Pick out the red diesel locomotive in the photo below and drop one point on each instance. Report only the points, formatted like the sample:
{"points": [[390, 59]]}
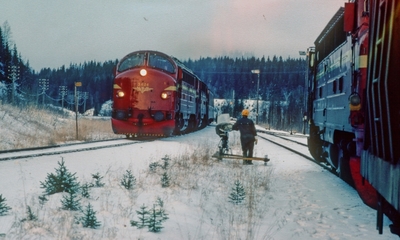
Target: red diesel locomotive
{"points": [[155, 95], [354, 101]]}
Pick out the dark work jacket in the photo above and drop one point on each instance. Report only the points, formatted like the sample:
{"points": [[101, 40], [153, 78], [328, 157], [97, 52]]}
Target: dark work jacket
{"points": [[247, 130]]}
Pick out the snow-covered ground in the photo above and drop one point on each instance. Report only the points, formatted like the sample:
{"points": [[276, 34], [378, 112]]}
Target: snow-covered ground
{"points": [[290, 198]]}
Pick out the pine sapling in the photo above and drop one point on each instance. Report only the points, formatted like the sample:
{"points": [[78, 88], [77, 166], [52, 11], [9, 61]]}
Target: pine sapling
{"points": [[143, 216], [43, 199], [85, 190], [4, 208], [153, 166], [61, 181], [89, 219], [238, 194], [97, 180], [156, 218], [128, 180], [71, 202], [166, 162], [165, 180], [31, 215]]}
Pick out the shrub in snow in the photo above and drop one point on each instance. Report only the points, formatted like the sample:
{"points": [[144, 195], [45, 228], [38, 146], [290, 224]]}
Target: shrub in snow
{"points": [[31, 215], [106, 109], [143, 216], [97, 180], [42, 200], [166, 160], [128, 180], [238, 194], [156, 217], [61, 181], [3, 206], [71, 202], [153, 166], [165, 180], [85, 190], [89, 219]]}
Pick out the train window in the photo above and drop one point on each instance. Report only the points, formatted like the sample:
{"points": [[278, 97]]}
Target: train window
{"points": [[320, 92], [161, 62], [131, 61], [334, 86], [341, 84]]}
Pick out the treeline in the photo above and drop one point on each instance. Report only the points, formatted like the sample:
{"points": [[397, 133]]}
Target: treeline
{"points": [[280, 82]]}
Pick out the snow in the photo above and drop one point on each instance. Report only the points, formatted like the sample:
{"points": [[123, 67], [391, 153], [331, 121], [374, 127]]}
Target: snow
{"points": [[289, 198]]}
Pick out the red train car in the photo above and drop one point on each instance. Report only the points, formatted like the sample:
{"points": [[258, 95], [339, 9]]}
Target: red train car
{"points": [[155, 95], [354, 104]]}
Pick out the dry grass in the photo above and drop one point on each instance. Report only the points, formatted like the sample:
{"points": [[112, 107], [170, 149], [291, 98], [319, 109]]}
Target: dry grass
{"points": [[25, 127]]}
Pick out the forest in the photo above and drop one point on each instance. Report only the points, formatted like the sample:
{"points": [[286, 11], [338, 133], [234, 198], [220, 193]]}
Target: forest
{"points": [[280, 83]]}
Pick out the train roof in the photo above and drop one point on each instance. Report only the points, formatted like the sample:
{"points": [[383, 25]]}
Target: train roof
{"points": [[339, 14]]}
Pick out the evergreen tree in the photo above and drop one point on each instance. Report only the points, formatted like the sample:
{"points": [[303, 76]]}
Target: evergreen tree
{"points": [[153, 166], [97, 180], [85, 190], [89, 219], [3, 206], [156, 218], [165, 180], [42, 199], [128, 180], [71, 202], [166, 162], [238, 194], [61, 181], [143, 215], [31, 215]]}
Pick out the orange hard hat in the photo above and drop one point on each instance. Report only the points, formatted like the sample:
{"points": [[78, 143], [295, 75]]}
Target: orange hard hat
{"points": [[245, 112]]}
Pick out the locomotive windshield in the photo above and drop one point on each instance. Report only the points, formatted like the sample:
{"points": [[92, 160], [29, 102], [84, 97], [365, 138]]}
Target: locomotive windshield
{"points": [[161, 62], [132, 61]]}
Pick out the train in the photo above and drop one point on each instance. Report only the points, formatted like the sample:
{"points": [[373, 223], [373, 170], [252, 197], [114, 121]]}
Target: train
{"points": [[156, 95], [353, 107]]}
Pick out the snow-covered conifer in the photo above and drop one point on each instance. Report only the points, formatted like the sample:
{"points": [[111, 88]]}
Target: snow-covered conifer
{"points": [[156, 218], [238, 194], [97, 180], [4, 208], [71, 202], [89, 219], [128, 180], [143, 216], [166, 160], [61, 181], [165, 180]]}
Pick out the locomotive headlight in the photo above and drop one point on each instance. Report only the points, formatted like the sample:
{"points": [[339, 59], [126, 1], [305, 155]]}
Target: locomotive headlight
{"points": [[355, 102], [355, 99], [164, 95], [143, 72], [120, 94]]}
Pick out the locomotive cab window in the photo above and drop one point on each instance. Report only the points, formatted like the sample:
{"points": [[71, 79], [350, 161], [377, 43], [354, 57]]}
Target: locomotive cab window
{"points": [[131, 62], [160, 62]]}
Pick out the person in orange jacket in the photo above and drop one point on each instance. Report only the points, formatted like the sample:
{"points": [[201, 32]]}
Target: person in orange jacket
{"points": [[248, 135]]}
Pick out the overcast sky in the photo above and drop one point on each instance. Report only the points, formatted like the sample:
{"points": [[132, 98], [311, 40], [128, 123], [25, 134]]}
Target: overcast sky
{"points": [[52, 33]]}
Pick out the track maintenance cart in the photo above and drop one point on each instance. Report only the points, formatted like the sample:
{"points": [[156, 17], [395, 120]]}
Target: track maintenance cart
{"points": [[224, 151]]}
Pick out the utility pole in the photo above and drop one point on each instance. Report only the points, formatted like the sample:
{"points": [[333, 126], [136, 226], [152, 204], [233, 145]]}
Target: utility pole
{"points": [[44, 84], [257, 71], [77, 84], [62, 91], [13, 76]]}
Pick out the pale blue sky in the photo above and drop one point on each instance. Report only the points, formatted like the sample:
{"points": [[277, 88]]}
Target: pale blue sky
{"points": [[52, 33]]}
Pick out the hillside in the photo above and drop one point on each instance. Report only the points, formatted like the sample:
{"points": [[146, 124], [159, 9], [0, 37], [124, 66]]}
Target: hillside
{"points": [[29, 126]]}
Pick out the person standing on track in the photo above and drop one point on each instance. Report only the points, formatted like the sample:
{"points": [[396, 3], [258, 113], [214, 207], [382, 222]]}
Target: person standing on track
{"points": [[248, 135]]}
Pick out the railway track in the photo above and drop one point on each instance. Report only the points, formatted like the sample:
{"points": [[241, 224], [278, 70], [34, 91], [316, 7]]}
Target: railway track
{"points": [[287, 141], [64, 148], [281, 139]]}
